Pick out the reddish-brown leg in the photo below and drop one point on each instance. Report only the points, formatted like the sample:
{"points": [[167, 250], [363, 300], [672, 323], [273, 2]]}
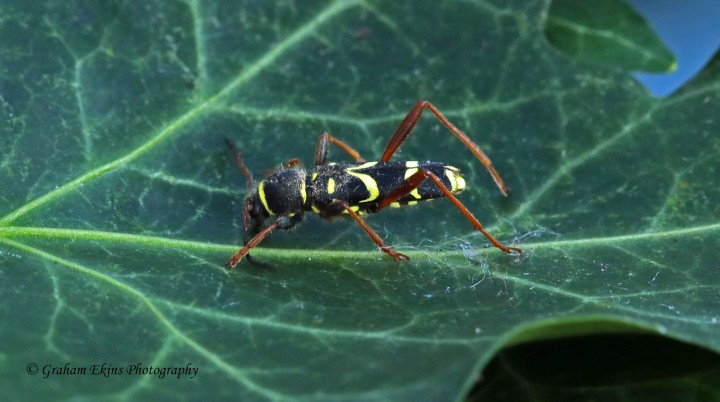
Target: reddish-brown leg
{"points": [[322, 149], [233, 261], [414, 181], [409, 122], [374, 236]]}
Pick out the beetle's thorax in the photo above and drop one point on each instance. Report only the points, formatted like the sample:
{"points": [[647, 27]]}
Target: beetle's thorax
{"points": [[282, 193]]}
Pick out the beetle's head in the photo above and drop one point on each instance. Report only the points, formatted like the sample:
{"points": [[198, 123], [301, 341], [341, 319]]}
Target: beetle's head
{"points": [[255, 213]]}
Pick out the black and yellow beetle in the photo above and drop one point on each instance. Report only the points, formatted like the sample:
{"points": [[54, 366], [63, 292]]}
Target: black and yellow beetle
{"points": [[333, 189]]}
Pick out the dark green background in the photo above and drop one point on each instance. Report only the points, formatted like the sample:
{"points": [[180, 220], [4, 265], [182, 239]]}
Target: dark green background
{"points": [[120, 202]]}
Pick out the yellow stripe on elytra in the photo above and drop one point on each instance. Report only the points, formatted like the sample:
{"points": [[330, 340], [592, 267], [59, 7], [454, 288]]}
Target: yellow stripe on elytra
{"points": [[363, 166], [412, 168], [410, 172], [261, 193], [369, 182], [457, 183], [303, 193], [331, 186], [460, 183]]}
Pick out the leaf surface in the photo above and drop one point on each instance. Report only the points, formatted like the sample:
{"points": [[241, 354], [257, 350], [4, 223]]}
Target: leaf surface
{"points": [[122, 202]]}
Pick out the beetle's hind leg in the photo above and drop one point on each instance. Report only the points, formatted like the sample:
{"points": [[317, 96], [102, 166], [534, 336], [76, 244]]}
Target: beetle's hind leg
{"points": [[408, 123], [415, 180]]}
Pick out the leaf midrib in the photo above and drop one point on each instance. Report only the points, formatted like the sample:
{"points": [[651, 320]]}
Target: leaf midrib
{"points": [[138, 240], [303, 254]]}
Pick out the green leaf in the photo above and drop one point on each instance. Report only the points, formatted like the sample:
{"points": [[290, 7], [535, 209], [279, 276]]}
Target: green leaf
{"points": [[121, 202], [607, 33]]}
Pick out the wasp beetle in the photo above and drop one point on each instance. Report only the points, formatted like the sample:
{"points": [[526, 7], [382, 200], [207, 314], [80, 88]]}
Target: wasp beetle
{"points": [[333, 189]]}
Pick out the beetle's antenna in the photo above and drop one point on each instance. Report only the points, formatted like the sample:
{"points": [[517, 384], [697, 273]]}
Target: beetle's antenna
{"points": [[241, 165]]}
